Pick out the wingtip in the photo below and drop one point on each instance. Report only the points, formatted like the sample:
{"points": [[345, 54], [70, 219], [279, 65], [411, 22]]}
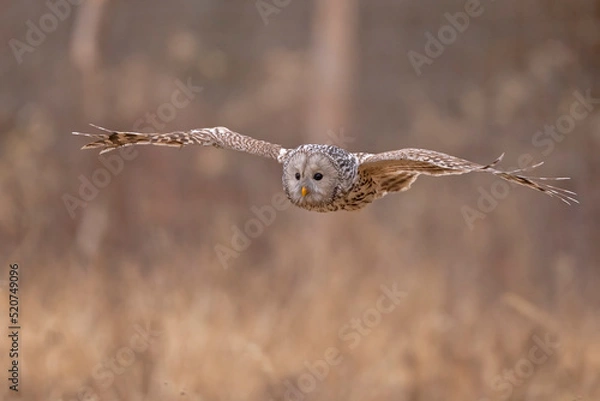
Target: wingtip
{"points": [[105, 150], [536, 165], [494, 163], [101, 128]]}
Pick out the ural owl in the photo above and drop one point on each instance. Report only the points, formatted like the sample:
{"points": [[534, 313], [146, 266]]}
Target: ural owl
{"points": [[326, 178]]}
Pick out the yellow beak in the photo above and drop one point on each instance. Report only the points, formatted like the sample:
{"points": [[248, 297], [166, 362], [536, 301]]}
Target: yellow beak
{"points": [[304, 191]]}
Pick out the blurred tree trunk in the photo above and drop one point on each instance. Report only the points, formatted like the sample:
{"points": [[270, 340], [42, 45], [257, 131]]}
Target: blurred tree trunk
{"points": [[333, 51], [85, 56], [333, 65]]}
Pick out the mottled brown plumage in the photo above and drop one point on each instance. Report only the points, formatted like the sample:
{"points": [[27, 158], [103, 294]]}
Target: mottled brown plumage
{"points": [[326, 178]]}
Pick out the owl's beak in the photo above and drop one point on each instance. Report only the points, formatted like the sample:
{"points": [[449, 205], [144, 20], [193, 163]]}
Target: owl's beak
{"points": [[304, 191]]}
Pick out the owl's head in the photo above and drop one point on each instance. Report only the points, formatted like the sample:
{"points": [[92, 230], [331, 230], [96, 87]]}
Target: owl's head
{"points": [[311, 178]]}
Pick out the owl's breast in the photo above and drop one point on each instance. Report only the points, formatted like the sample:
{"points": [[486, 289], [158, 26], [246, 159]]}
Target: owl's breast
{"points": [[361, 193]]}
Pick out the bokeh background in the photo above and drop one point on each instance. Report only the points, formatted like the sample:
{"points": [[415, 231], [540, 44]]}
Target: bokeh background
{"points": [[142, 253]]}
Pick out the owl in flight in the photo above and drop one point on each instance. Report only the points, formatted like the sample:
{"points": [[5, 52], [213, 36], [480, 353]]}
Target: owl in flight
{"points": [[326, 178]]}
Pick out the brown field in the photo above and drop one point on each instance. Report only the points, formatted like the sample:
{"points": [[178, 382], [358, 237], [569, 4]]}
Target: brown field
{"points": [[124, 294]]}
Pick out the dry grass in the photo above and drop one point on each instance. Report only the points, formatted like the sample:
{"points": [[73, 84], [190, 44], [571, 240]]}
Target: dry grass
{"points": [[246, 332]]}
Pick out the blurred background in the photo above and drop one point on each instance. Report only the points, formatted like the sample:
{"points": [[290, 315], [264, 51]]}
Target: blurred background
{"points": [[148, 275]]}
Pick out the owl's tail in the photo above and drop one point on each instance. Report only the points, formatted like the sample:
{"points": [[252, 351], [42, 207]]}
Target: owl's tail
{"points": [[536, 183]]}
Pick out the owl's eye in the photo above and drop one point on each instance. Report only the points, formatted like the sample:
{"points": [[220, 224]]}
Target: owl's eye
{"points": [[318, 176], [297, 176]]}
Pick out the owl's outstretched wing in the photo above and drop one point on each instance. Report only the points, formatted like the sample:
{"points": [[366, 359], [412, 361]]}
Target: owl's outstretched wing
{"points": [[382, 167], [219, 137]]}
